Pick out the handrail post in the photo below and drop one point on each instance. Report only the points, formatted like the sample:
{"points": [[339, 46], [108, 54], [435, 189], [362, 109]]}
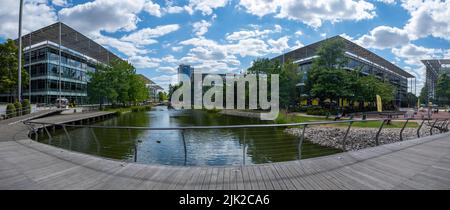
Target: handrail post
{"points": [[418, 129], [378, 133], [68, 136], [243, 148], [184, 144], [95, 139], [431, 129], [135, 146], [345, 136], [300, 143], [48, 133], [403, 128], [442, 129]]}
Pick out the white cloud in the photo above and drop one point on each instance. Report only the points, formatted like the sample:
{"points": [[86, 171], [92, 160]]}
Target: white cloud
{"points": [[201, 27], [260, 7], [297, 45], [254, 33], [144, 62], [103, 15], [36, 14], [146, 36], [428, 17], [177, 49], [312, 12], [388, 1], [61, 3], [173, 9], [167, 69], [299, 33], [152, 9], [246, 34], [205, 6], [125, 47], [346, 36], [165, 80], [279, 45], [383, 37]]}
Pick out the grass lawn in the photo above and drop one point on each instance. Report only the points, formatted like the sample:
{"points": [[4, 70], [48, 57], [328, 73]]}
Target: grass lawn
{"points": [[283, 118]]}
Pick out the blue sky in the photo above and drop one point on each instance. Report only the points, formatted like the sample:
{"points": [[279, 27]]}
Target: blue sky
{"points": [[226, 35]]}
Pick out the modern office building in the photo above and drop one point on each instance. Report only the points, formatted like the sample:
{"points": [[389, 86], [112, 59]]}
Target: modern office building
{"points": [[79, 55], [359, 57], [153, 88], [434, 68]]}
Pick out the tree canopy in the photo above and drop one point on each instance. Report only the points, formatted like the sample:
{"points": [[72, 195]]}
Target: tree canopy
{"points": [[9, 68], [116, 83], [443, 89]]}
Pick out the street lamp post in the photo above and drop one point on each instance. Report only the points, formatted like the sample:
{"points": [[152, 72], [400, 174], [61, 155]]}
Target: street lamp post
{"points": [[19, 78]]}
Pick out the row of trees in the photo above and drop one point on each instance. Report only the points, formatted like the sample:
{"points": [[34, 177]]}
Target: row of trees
{"points": [[118, 84], [327, 79], [9, 66]]}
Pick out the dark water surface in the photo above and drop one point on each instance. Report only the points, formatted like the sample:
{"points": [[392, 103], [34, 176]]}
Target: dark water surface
{"points": [[203, 147]]}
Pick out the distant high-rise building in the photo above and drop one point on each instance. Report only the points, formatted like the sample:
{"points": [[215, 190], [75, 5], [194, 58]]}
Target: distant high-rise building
{"points": [[185, 69]]}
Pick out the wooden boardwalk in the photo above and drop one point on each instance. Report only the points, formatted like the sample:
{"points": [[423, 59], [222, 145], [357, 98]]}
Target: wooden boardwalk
{"points": [[73, 118], [413, 164]]}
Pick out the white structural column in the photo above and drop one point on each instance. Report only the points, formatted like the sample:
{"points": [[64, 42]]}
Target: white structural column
{"points": [[59, 64], [19, 78], [29, 69]]}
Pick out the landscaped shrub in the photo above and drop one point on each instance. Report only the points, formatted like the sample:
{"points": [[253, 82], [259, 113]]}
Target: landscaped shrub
{"points": [[141, 108], [18, 107], [10, 111], [316, 110], [26, 106]]}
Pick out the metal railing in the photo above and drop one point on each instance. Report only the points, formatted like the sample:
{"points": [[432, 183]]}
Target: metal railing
{"points": [[441, 125], [5, 115]]}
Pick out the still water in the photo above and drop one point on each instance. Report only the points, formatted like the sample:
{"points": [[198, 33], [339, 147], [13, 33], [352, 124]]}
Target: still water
{"points": [[203, 147]]}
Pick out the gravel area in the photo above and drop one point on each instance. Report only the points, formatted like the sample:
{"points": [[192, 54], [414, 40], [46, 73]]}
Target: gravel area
{"points": [[358, 138]]}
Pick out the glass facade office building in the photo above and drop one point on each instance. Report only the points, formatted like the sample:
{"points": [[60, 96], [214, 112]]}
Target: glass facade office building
{"points": [[43, 64], [79, 55], [358, 57], [434, 68]]}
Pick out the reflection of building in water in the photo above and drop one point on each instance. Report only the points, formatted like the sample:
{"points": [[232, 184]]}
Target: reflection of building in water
{"points": [[435, 68], [359, 57]]}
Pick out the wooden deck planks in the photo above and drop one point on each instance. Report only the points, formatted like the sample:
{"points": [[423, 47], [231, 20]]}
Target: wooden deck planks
{"points": [[425, 164]]}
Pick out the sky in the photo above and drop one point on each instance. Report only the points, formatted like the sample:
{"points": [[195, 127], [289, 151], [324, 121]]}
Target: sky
{"points": [[225, 36]]}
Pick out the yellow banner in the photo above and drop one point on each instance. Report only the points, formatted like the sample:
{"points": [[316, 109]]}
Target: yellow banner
{"points": [[379, 104]]}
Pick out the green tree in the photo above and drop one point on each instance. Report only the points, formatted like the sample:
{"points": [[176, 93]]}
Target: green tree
{"points": [[443, 89], [370, 86], [100, 88], [162, 96], [9, 69], [138, 92], [327, 78], [423, 97], [116, 83], [289, 78]]}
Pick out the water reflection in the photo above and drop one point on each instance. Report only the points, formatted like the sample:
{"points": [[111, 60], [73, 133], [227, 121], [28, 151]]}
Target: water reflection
{"points": [[203, 147]]}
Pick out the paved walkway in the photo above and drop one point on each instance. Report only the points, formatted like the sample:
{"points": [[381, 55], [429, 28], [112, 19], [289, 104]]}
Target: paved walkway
{"points": [[14, 129], [413, 164]]}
